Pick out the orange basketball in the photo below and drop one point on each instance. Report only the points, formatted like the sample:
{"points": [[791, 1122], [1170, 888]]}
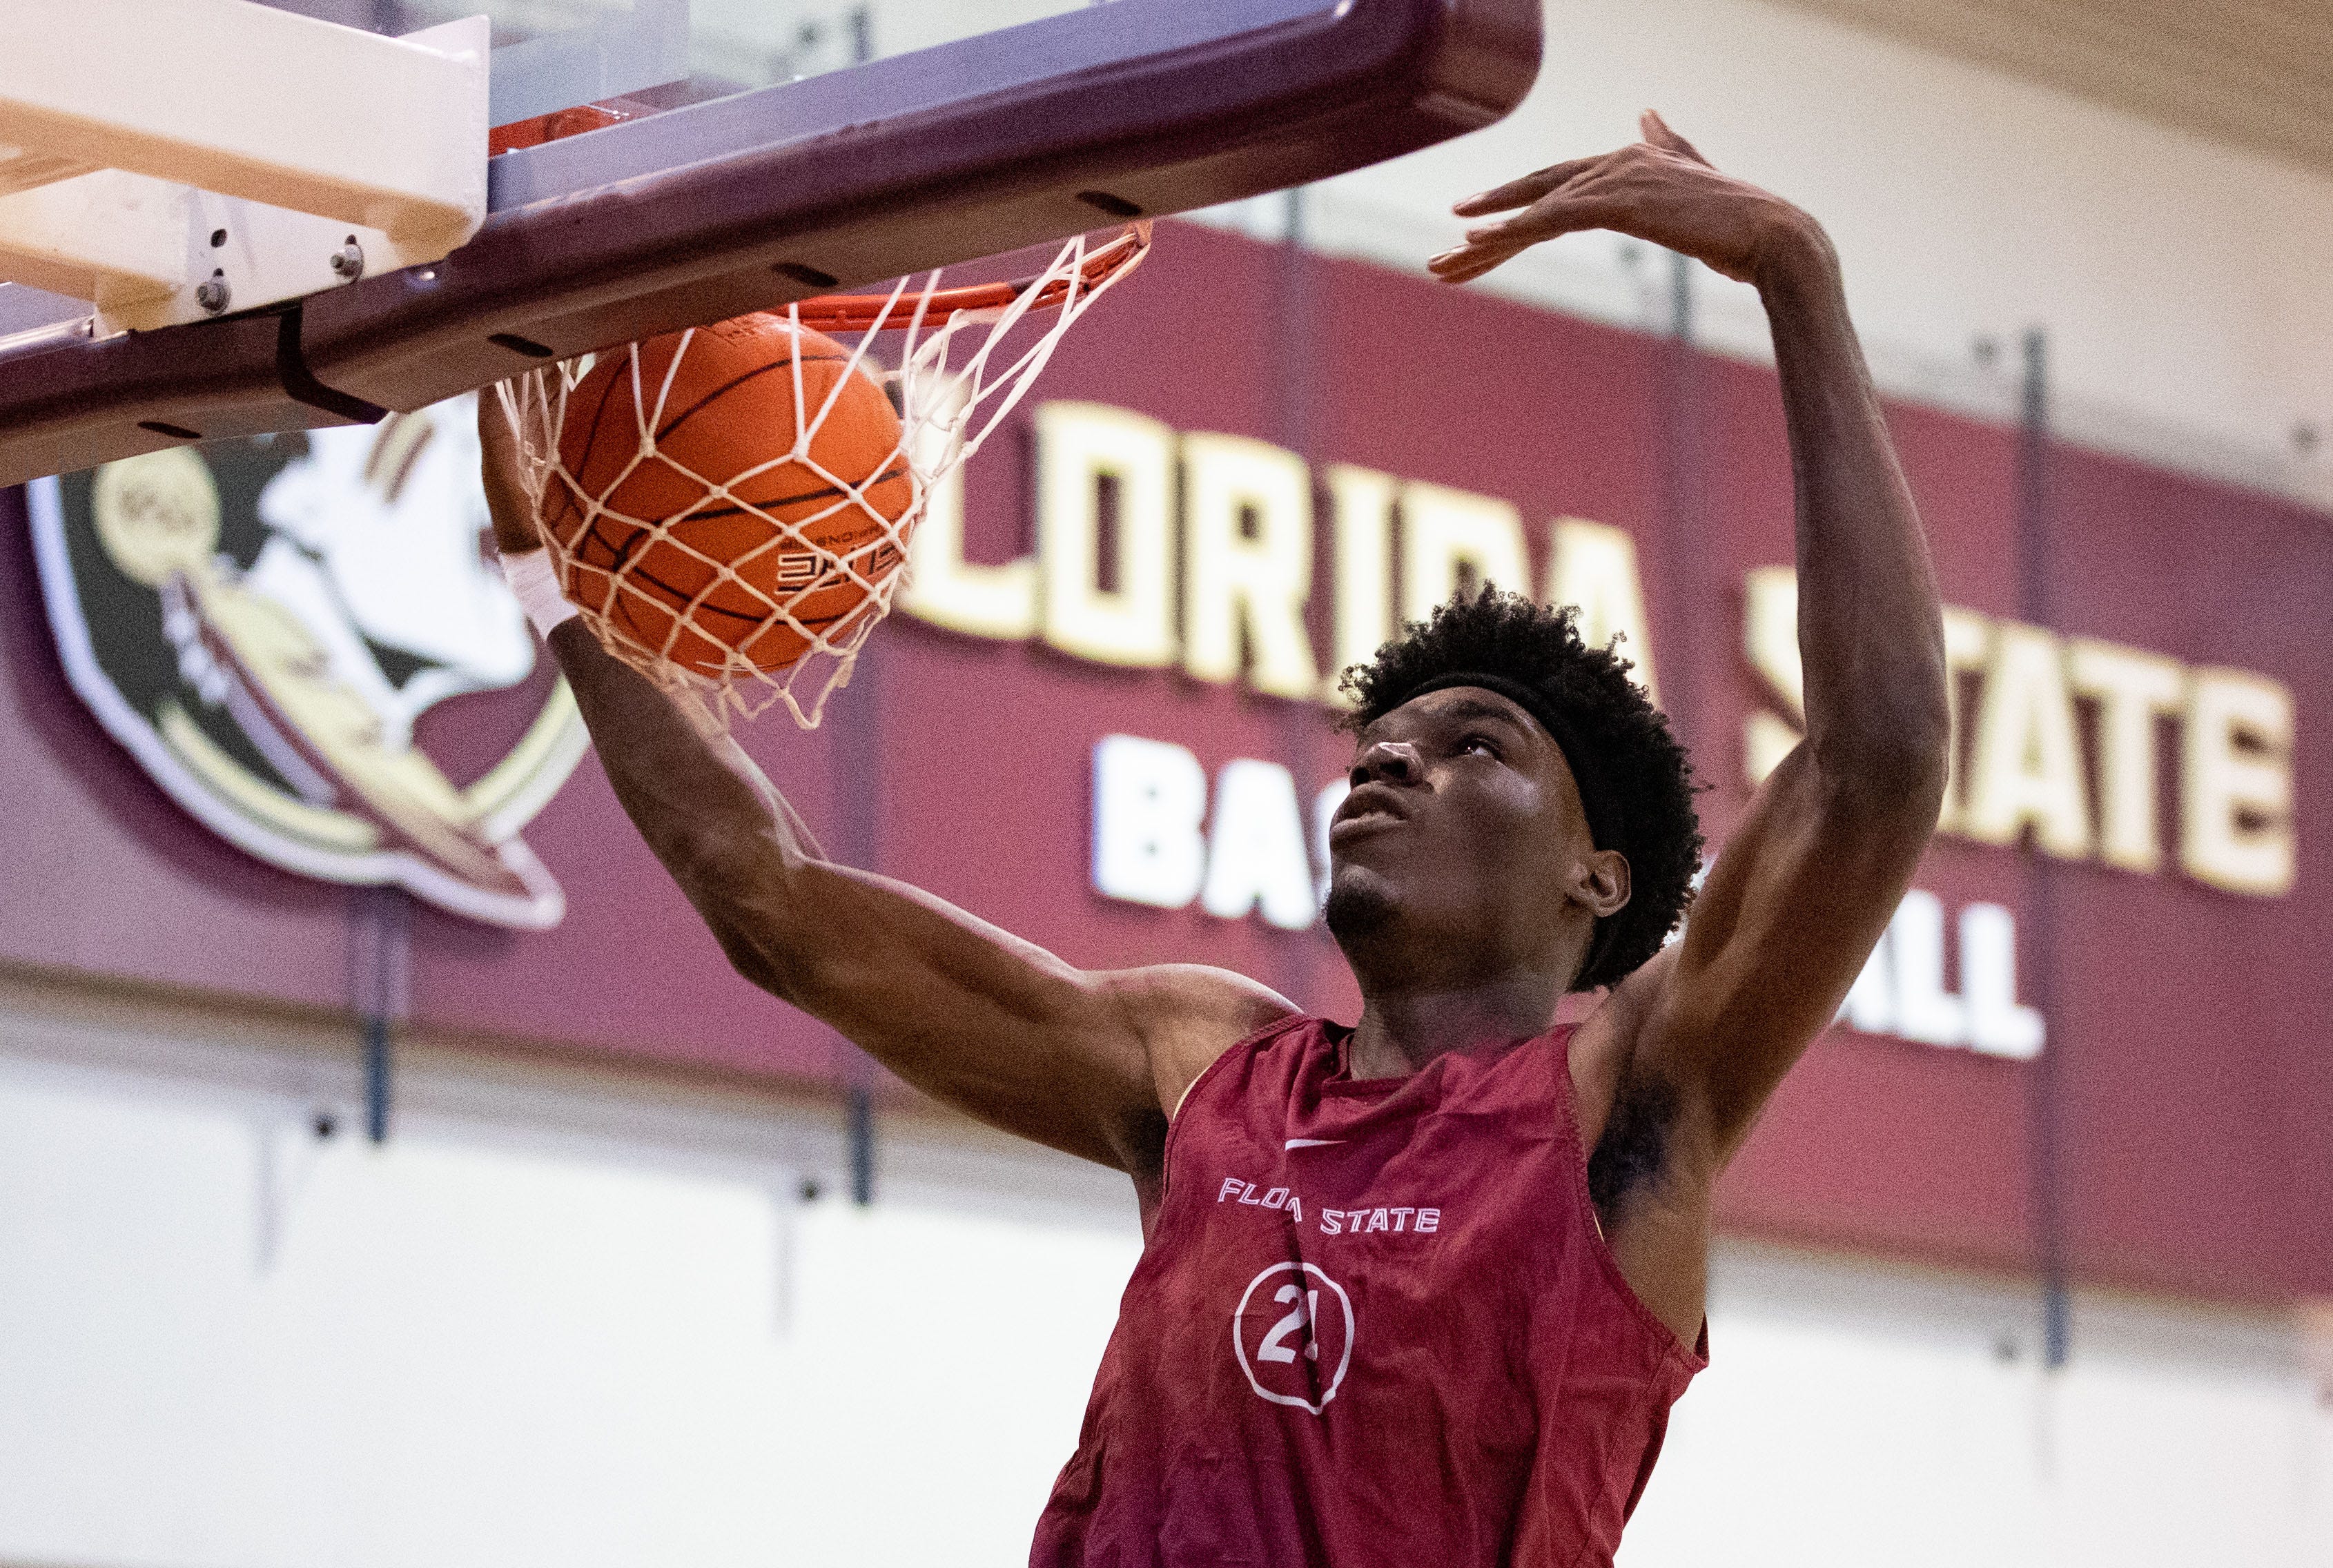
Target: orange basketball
{"points": [[717, 536]]}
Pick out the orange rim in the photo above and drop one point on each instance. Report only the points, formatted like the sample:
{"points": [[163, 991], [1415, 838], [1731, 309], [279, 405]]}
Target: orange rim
{"points": [[857, 312]]}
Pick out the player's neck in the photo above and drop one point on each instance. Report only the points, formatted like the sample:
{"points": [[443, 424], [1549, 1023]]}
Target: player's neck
{"points": [[1403, 1029]]}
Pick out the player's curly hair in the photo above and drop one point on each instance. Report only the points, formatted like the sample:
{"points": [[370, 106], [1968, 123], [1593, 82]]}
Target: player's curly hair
{"points": [[1507, 635]]}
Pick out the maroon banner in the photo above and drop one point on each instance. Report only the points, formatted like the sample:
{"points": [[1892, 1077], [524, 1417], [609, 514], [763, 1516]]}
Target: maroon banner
{"points": [[2130, 893]]}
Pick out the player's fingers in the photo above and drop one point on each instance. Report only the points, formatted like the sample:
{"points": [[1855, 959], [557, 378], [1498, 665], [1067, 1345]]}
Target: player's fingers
{"points": [[1461, 262], [498, 471], [1504, 240], [1519, 192], [1486, 247], [1657, 132], [1465, 270], [1466, 274], [1558, 214]]}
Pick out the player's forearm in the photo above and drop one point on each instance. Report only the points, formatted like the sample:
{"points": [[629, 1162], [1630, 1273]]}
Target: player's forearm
{"points": [[711, 816], [1870, 634], [972, 1015]]}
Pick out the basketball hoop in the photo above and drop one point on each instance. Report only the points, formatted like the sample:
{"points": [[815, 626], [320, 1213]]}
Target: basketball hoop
{"points": [[783, 619], [857, 312]]}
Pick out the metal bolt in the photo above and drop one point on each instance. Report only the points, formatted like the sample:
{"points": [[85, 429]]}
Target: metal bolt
{"points": [[212, 293], [348, 262]]}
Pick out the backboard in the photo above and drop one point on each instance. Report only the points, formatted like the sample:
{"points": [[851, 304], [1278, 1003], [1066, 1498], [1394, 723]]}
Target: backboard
{"points": [[553, 54], [756, 152]]}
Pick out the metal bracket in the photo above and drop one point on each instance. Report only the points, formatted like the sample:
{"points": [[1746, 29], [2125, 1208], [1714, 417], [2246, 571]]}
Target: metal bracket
{"points": [[214, 168]]}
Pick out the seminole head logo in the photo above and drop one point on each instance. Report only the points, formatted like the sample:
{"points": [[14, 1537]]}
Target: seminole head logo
{"points": [[304, 640]]}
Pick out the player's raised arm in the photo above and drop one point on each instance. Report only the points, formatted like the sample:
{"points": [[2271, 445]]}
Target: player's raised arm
{"points": [[1088, 1063], [1807, 883]]}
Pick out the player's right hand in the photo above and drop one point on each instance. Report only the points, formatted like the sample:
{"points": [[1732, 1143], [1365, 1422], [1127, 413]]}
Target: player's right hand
{"points": [[1659, 189], [506, 500]]}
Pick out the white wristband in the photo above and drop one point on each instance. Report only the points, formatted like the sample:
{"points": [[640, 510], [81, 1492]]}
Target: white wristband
{"points": [[535, 582]]}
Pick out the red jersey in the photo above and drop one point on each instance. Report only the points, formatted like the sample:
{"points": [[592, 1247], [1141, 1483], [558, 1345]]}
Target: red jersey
{"points": [[1374, 1323]]}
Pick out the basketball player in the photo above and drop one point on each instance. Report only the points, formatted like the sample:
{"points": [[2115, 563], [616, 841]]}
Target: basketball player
{"points": [[1419, 1290]]}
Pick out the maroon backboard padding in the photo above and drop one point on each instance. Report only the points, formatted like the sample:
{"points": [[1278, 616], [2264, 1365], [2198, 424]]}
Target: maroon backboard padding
{"points": [[2190, 1024], [967, 149]]}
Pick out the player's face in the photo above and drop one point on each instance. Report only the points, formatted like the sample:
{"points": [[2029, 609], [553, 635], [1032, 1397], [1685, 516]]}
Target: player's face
{"points": [[1461, 841]]}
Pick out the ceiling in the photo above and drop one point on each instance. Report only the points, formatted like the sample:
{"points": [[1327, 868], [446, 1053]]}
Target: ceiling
{"points": [[2255, 72]]}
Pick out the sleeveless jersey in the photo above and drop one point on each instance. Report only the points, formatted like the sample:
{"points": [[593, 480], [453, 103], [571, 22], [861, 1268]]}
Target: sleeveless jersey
{"points": [[1374, 1323]]}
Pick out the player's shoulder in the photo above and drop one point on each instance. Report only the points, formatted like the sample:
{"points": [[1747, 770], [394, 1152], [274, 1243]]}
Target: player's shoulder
{"points": [[1189, 1014], [1172, 995]]}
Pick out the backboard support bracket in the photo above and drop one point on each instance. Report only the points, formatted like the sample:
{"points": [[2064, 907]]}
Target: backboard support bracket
{"points": [[299, 383], [228, 156]]}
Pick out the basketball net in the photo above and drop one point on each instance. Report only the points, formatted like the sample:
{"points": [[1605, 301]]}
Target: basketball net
{"points": [[956, 380]]}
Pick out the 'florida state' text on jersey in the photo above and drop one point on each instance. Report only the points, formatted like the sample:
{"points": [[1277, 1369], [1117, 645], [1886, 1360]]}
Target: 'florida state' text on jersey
{"points": [[1374, 1324]]}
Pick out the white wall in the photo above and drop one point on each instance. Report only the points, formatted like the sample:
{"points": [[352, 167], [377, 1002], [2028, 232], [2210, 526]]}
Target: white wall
{"points": [[1855, 1414], [2182, 281], [557, 1322], [543, 1325]]}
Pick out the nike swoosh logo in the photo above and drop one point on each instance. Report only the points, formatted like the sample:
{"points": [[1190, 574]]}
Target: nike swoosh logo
{"points": [[1311, 1143]]}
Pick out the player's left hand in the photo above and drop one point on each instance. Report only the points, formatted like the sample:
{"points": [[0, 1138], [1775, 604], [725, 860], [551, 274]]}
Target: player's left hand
{"points": [[1658, 189]]}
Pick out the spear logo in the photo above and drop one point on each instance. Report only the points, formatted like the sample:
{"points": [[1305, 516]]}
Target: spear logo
{"points": [[304, 641]]}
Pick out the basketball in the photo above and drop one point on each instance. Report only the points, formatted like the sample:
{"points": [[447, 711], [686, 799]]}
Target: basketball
{"points": [[698, 518]]}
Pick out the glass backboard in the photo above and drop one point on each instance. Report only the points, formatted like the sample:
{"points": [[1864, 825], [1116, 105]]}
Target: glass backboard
{"points": [[553, 54]]}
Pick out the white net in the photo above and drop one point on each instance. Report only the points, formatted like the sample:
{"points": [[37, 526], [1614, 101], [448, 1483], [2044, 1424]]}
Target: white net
{"points": [[730, 507]]}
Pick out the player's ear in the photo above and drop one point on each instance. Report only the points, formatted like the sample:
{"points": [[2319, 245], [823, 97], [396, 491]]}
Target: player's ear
{"points": [[1601, 884]]}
